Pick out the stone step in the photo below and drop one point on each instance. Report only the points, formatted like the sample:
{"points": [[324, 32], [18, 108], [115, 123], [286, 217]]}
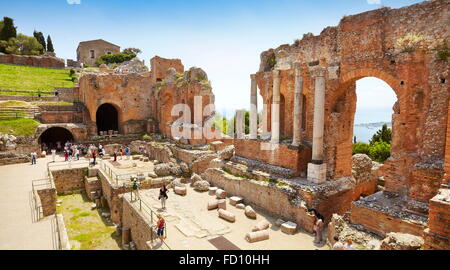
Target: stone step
{"points": [[255, 165]]}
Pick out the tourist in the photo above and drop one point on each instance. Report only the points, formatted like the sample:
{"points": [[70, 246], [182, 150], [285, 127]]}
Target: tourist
{"points": [[33, 157], [66, 155], [77, 153], [135, 188], [338, 245], [70, 154], [163, 196], [160, 227], [115, 156], [58, 146], [53, 154], [318, 228], [348, 244], [94, 156], [121, 152], [127, 152]]}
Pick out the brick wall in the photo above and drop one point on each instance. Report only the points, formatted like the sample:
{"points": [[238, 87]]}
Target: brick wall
{"points": [[424, 184], [47, 198], [283, 156], [140, 228], [32, 60], [382, 223], [69, 180]]}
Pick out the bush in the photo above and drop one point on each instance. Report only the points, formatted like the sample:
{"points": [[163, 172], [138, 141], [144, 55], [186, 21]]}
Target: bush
{"points": [[380, 151], [443, 50], [410, 42], [114, 58], [360, 148]]}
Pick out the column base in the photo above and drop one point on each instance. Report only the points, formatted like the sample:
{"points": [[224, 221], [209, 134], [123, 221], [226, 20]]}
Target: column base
{"points": [[317, 173]]}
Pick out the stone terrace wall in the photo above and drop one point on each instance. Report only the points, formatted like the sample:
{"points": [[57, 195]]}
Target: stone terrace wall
{"points": [[47, 199], [32, 60], [283, 156], [140, 229], [69, 180]]}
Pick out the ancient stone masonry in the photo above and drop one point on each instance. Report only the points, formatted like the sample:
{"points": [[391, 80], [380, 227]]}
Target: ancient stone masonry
{"points": [[32, 60], [145, 99]]}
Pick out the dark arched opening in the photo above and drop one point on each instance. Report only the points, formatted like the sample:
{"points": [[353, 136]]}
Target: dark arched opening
{"points": [[55, 138], [107, 118]]}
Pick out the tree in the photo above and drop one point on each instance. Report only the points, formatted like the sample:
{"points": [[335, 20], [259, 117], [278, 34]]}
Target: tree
{"points": [[50, 44], [40, 38], [380, 151], [116, 58], [361, 148], [23, 45], [8, 30], [134, 51], [382, 135], [1, 25]]}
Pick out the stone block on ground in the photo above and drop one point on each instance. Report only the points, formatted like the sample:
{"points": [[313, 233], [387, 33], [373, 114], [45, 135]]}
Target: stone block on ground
{"points": [[401, 241], [152, 175], [221, 194], [212, 191], [262, 225], [289, 227], [180, 191], [253, 237], [222, 204], [240, 206], [236, 200], [250, 212], [227, 215], [201, 185], [212, 205], [137, 157], [194, 178], [145, 159]]}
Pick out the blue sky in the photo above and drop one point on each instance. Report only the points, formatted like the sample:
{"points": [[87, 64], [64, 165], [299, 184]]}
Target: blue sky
{"points": [[224, 37]]}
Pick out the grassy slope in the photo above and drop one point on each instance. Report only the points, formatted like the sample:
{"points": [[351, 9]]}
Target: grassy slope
{"points": [[19, 127], [32, 78]]}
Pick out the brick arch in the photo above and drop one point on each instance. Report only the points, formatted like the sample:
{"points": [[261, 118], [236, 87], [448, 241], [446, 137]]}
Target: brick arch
{"points": [[93, 113], [343, 101]]}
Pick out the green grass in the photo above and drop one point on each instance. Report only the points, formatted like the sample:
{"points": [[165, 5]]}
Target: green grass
{"points": [[19, 127], [60, 103], [14, 103], [32, 79]]}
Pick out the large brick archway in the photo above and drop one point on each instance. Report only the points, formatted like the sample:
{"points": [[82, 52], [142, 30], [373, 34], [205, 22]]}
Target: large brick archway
{"points": [[343, 109]]}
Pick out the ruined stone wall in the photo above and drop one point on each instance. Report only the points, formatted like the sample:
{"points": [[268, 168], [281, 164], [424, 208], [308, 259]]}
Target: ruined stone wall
{"points": [[365, 45], [283, 156], [32, 60], [60, 117], [160, 66], [140, 228], [47, 199], [130, 94], [69, 180]]}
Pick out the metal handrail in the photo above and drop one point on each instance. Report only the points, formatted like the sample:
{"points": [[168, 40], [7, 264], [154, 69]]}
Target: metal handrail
{"points": [[144, 207]]}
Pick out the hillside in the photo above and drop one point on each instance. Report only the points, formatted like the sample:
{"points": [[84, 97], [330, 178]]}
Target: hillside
{"points": [[32, 79]]}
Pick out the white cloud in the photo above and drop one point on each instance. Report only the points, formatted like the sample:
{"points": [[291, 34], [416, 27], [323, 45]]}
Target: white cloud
{"points": [[74, 2], [374, 2]]}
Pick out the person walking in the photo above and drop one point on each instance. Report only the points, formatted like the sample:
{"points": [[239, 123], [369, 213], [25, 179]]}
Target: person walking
{"points": [[77, 153], [94, 156], [338, 245], [115, 156], [66, 155], [127, 152], [135, 188], [348, 244], [163, 196], [121, 152], [160, 225], [53, 154], [33, 157], [318, 228]]}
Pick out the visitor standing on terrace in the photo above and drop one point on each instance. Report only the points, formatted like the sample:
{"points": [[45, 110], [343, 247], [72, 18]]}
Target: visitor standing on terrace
{"points": [[163, 196], [160, 228]]}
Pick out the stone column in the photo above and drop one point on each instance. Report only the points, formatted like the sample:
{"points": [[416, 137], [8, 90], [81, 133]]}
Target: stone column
{"points": [[298, 105], [253, 109], [317, 169], [275, 126], [240, 124]]}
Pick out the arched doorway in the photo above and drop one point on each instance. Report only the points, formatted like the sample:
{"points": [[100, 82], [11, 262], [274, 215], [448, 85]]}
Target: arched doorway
{"points": [[107, 118], [361, 104], [55, 136]]}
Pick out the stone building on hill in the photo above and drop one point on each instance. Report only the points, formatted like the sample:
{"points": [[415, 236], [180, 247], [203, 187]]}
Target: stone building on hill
{"points": [[89, 51]]}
